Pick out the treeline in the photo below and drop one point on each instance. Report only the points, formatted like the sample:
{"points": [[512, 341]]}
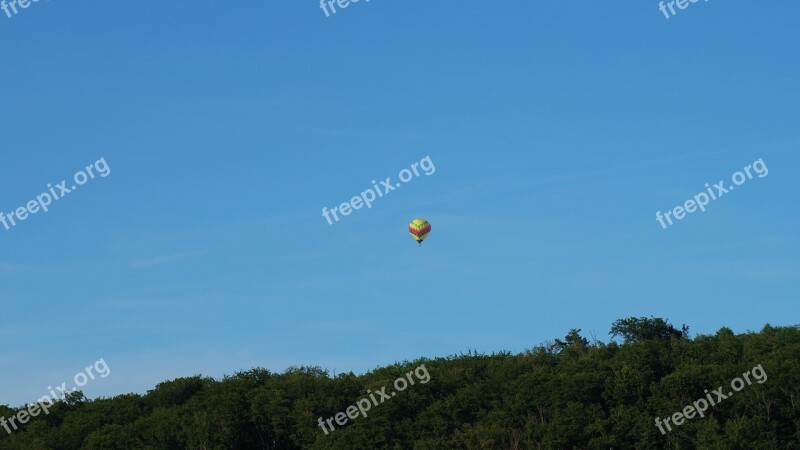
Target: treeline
{"points": [[566, 394]]}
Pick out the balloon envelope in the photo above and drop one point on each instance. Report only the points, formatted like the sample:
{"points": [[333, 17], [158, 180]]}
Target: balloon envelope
{"points": [[419, 229]]}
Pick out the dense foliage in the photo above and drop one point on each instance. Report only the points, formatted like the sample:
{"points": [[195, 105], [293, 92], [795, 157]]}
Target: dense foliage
{"points": [[568, 394]]}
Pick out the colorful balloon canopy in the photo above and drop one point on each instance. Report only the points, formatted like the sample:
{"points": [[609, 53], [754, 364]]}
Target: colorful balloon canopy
{"points": [[419, 229]]}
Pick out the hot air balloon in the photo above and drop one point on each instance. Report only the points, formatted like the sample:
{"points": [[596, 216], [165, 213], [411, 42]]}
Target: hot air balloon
{"points": [[419, 229]]}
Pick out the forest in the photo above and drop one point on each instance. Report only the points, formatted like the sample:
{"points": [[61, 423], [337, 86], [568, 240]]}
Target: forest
{"points": [[570, 393]]}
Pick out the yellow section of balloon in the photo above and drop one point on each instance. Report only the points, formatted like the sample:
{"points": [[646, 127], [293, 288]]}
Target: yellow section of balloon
{"points": [[419, 229]]}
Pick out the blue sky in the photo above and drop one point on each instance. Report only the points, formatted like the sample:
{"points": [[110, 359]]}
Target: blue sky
{"points": [[557, 131]]}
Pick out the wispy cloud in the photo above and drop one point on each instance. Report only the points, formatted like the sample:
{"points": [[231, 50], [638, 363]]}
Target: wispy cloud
{"points": [[776, 273], [133, 304], [161, 260], [472, 189]]}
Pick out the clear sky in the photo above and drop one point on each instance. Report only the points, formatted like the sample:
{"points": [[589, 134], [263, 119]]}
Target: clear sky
{"points": [[557, 130]]}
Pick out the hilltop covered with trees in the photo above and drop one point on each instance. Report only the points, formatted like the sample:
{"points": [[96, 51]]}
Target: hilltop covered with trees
{"points": [[566, 394]]}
